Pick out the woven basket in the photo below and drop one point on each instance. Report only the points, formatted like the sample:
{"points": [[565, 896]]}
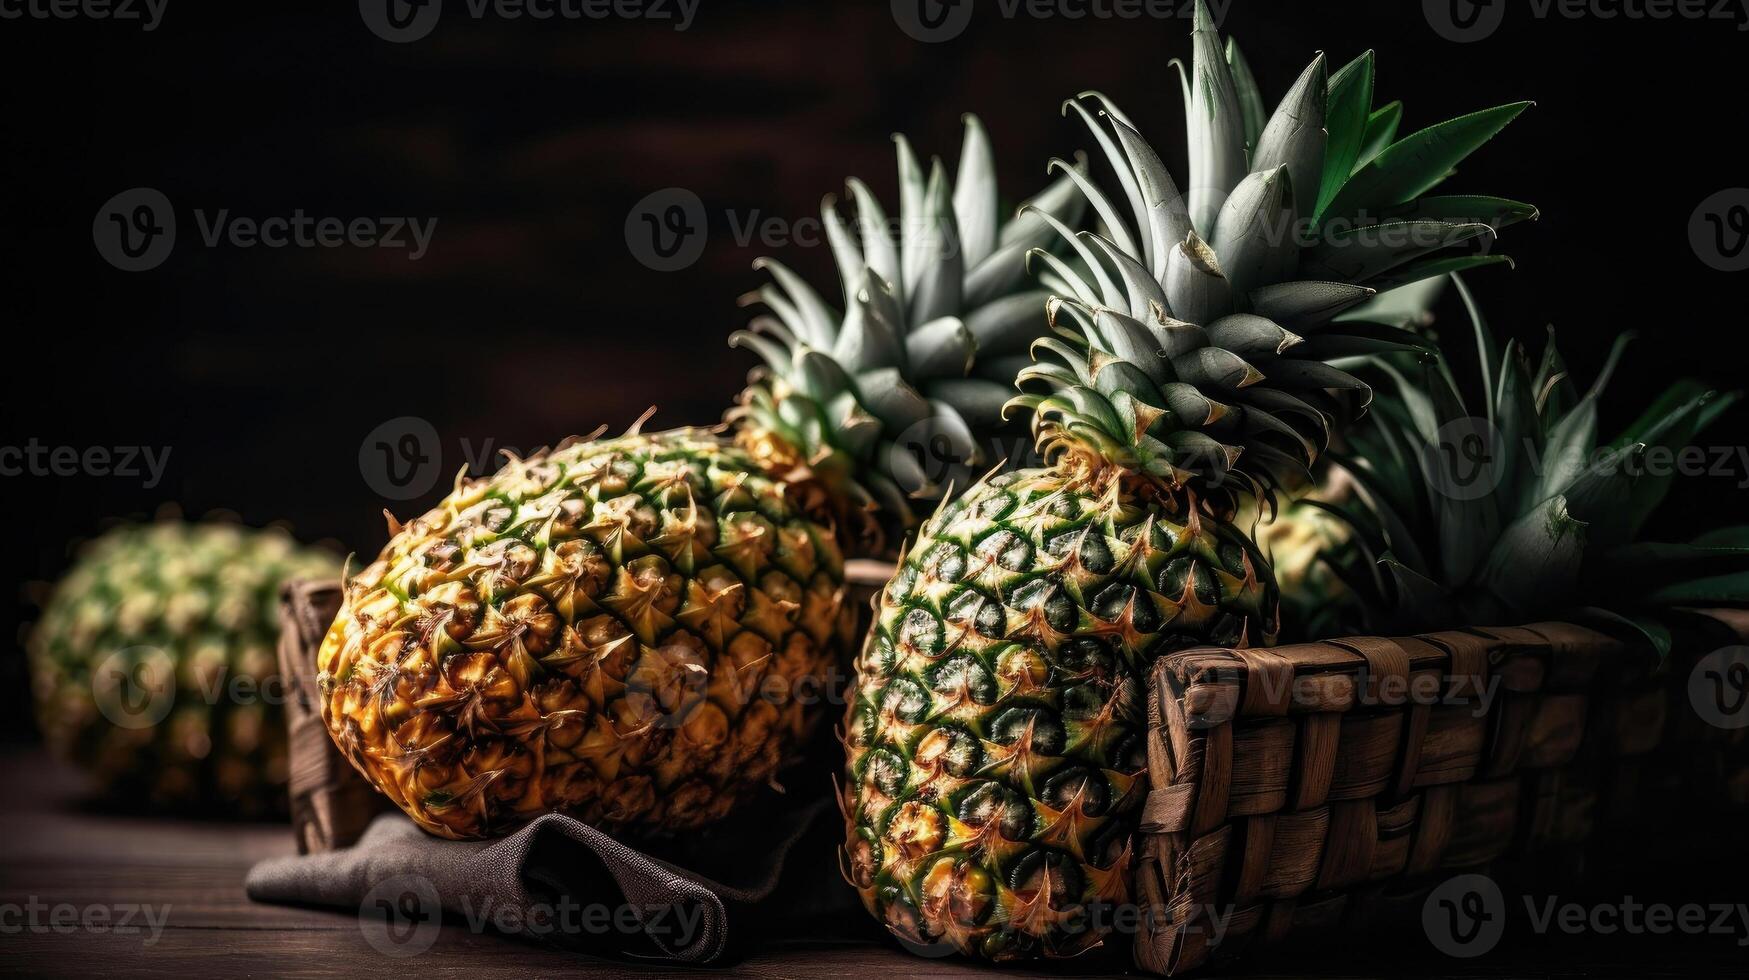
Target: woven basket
{"points": [[331, 804], [1330, 785]]}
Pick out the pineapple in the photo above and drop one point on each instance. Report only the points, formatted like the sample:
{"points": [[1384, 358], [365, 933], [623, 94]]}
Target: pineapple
{"points": [[1517, 512], [882, 403], [631, 630], [640, 631], [994, 731], [154, 665]]}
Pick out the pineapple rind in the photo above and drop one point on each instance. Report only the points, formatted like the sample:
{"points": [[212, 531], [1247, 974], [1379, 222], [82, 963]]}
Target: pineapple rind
{"points": [[1033, 604], [636, 632]]}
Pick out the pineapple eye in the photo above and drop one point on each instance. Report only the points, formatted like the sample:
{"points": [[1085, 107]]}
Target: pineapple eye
{"points": [[906, 699], [992, 802], [916, 830], [1087, 657], [1043, 869], [1095, 554], [1129, 754], [860, 730], [1059, 608], [879, 659], [994, 507], [1063, 789], [1084, 702], [1182, 572], [864, 858], [1226, 630], [1231, 554], [947, 563], [921, 632], [1012, 723], [1120, 598], [886, 771], [953, 750], [1009, 550], [983, 613], [900, 588], [963, 672]]}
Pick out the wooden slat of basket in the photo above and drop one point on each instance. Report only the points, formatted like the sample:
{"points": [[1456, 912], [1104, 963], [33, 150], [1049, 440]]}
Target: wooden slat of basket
{"points": [[1309, 786], [331, 804]]}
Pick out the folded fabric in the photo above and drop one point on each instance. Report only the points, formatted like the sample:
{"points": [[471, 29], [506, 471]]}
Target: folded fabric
{"points": [[556, 880]]}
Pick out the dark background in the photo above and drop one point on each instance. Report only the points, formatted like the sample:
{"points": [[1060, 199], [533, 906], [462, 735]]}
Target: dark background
{"points": [[529, 141]]}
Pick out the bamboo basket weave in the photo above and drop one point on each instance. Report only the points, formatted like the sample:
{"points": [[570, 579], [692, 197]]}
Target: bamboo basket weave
{"points": [[1329, 785]]}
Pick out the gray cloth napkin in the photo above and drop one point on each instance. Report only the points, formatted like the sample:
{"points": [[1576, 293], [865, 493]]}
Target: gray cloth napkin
{"points": [[556, 880]]}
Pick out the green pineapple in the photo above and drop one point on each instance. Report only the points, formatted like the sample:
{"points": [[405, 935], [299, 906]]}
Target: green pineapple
{"points": [[155, 670], [637, 631], [994, 732], [1519, 511]]}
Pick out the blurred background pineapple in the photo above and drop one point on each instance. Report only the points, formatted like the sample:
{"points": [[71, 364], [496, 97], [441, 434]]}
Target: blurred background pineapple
{"points": [[154, 668]]}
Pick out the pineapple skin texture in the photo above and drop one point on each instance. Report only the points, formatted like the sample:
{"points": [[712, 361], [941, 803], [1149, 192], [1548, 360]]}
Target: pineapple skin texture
{"points": [[636, 632], [995, 727], [154, 665]]}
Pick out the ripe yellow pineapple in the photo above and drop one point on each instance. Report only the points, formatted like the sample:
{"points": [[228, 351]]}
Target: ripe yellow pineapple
{"points": [[639, 631], [631, 630]]}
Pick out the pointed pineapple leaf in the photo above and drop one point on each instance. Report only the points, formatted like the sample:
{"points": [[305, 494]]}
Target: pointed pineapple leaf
{"points": [[1295, 136], [1216, 125], [1419, 162], [1381, 131], [1350, 105], [1250, 96], [974, 195]]}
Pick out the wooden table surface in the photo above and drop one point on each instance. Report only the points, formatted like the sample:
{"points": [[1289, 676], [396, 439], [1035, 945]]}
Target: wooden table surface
{"points": [[57, 852]]}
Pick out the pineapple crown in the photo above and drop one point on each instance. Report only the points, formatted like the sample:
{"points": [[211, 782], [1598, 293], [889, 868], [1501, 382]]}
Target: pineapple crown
{"points": [[937, 313], [1194, 332], [1521, 511]]}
